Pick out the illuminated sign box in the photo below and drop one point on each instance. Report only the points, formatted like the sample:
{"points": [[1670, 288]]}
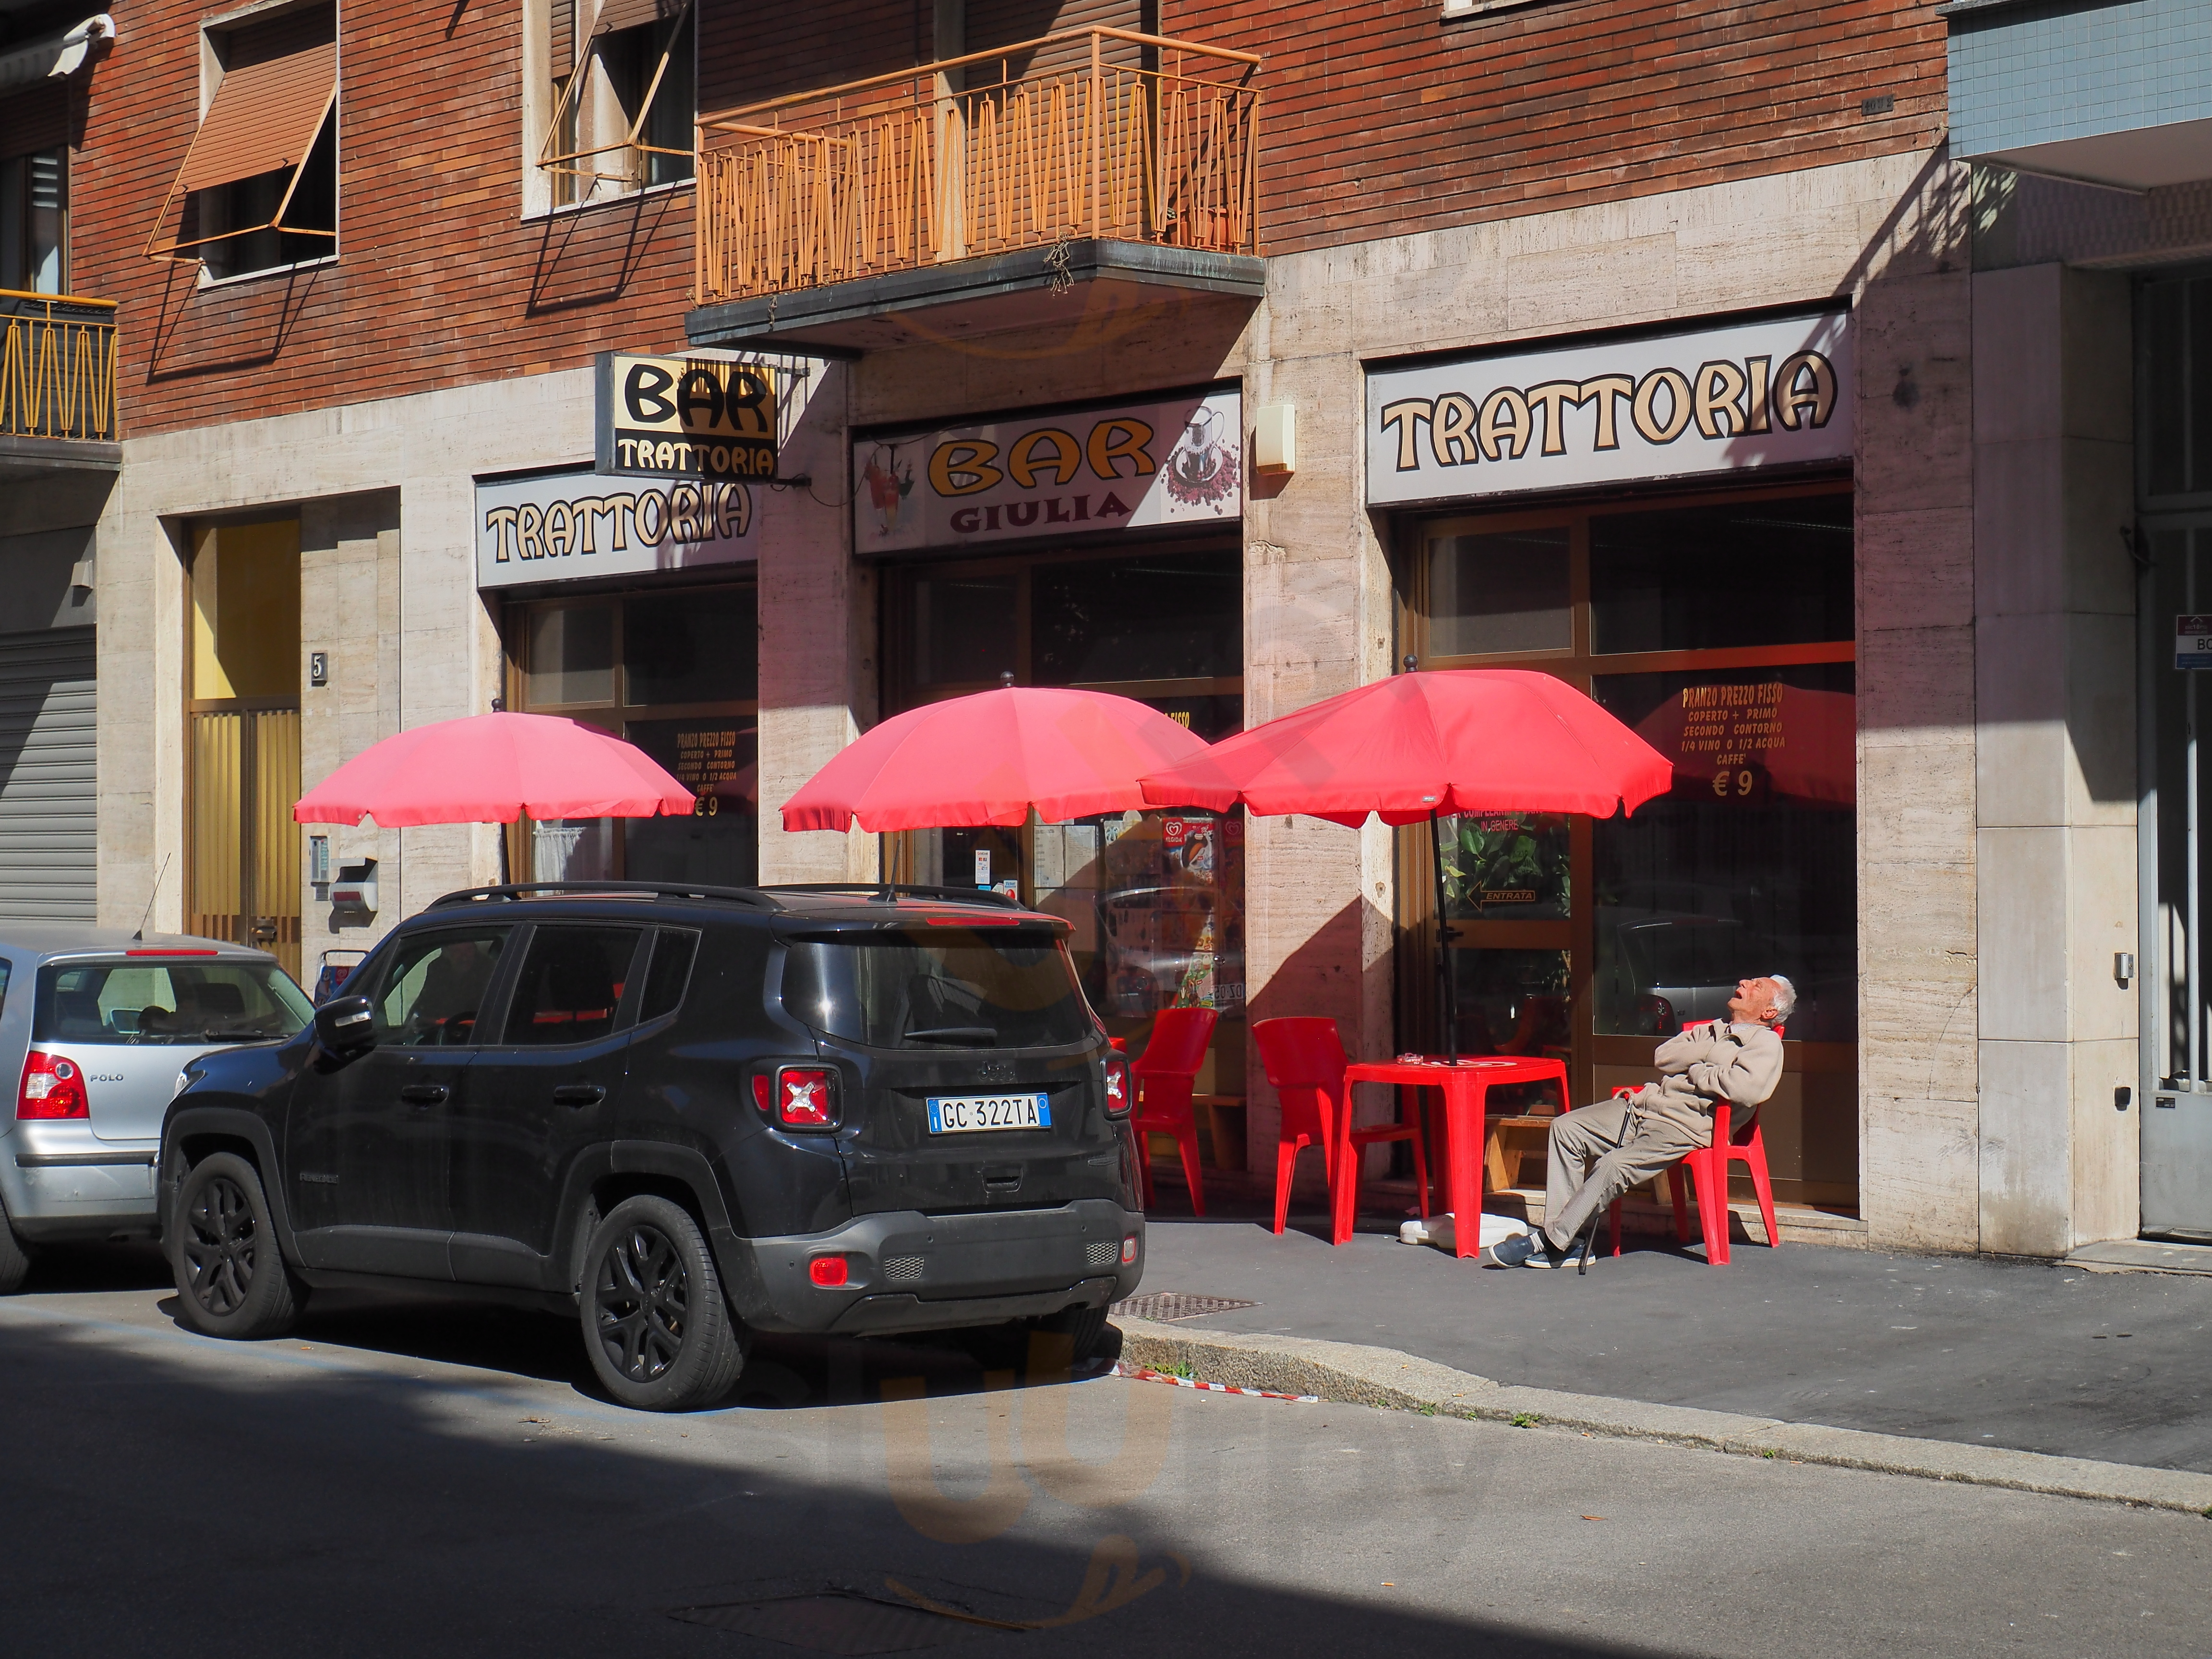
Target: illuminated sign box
{"points": [[708, 418]]}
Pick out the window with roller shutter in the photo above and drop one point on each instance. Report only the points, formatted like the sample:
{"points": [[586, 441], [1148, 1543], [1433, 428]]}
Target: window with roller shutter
{"points": [[257, 188]]}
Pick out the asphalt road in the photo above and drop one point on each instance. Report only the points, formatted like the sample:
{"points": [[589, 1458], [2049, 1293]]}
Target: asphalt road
{"points": [[2034, 1355], [436, 1479]]}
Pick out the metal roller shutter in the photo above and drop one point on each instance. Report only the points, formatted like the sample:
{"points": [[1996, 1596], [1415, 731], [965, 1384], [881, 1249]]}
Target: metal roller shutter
{"points": [[47, 840]]}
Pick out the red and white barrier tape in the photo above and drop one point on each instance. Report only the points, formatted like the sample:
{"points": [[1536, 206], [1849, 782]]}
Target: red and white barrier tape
{"points": [[1145, 1374]]}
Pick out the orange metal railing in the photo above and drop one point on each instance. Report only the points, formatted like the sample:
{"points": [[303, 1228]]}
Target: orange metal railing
{"points": [[1110, 134], [57, 366]]}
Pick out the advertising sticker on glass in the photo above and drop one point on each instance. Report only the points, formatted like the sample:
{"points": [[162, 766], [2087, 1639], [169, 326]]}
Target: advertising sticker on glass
{"points": [[1175, 461]]}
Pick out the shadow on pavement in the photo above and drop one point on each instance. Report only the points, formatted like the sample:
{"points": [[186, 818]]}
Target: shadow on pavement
{"points": [[269, 1509]]}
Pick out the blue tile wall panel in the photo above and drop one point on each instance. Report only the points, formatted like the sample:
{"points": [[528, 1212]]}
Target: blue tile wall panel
{"points": [[2035, 74]]}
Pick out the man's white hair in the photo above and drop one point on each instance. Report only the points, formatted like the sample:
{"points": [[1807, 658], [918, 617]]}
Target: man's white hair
{"points": [[1785, 999]]}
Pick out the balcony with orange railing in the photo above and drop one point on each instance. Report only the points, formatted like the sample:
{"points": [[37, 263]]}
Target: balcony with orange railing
{"points": [[57, 376], [1092, 155]]}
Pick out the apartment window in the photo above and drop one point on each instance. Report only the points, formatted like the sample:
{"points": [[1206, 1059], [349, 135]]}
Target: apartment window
{"points": [[34, 222], [624, 96], [258, 188]]}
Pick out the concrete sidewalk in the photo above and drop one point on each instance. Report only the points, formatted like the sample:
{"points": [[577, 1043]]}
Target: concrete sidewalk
{"points": [[2027, 1356]]}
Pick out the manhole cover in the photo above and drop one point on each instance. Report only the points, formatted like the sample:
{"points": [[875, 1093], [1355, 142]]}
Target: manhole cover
{"points": [[1171, 1305], [836, 1623]]}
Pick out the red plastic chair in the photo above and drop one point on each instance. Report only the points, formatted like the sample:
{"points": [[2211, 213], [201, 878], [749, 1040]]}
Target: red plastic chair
{"points": [[1164, 1074], [1708, 1167], [1304, 1061]]}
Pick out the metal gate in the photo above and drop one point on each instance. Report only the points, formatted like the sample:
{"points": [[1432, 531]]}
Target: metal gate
{"points": [[245, 857], [48, 841]]}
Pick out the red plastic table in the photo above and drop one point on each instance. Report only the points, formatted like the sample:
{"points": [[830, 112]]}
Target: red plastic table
{"points": [[1465, 1088]]}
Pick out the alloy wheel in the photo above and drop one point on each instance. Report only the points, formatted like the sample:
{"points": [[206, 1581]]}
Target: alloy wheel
{"points": [[639, 1297], [219, 1243]]}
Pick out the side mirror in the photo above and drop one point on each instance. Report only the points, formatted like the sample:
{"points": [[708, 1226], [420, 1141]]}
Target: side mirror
{"points": [[345, 1028]]}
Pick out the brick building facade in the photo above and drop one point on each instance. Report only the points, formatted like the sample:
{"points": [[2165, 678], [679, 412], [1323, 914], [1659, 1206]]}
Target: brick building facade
{"points": [[1502, 198]]}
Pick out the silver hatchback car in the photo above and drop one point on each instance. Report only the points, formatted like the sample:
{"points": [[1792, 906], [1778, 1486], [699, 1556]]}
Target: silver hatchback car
{"points": [[95, 1025]]}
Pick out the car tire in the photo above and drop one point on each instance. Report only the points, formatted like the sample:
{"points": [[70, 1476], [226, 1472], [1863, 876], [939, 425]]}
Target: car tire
{"points": [[232, 1279], [15, 1257], [659, 1334], [1089, 1334]]}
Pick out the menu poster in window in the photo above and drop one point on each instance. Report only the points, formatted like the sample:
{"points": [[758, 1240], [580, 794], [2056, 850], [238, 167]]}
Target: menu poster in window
{"points": [[1173, 461], [1758, 740], [1769, 393], [717, 760]]}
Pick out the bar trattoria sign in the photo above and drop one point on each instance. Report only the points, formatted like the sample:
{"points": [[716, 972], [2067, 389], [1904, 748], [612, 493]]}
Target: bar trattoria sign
{"points": [[572, 525], [1060, 473], [1752, 394]]}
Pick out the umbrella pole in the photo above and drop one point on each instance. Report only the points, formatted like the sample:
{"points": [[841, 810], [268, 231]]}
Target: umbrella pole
{"points": [[505, 877], [1448, 992]]}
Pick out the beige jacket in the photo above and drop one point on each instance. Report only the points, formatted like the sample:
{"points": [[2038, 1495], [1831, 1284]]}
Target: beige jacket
{"points": [[1717, 1060]]}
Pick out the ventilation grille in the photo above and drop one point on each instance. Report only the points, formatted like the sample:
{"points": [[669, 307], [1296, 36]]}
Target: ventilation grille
{"points": [[903, 1269], [1104, 1254]]}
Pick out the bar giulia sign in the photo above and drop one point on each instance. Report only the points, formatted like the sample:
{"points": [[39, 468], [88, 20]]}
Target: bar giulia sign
{"points": [[1060, 473], [1752, 394]]}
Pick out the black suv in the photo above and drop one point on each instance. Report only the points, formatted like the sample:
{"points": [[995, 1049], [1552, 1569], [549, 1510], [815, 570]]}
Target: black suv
{"points": [[686, 1113]]}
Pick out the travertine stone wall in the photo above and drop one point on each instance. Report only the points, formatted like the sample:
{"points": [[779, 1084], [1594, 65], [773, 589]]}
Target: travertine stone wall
{"points": [[385, 492], [2055, 604], [350, 585], [1888, 233]]}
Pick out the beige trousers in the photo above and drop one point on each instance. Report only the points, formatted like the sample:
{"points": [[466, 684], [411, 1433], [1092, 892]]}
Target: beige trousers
{"points": [[1597, 1153]]}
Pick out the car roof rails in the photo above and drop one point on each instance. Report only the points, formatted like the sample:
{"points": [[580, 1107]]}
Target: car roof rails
{"points": [[751, 897], [887, 892]]}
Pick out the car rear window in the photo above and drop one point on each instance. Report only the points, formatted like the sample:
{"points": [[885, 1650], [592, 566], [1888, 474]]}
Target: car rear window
{"points": [[166, 1001], [938, 988]]}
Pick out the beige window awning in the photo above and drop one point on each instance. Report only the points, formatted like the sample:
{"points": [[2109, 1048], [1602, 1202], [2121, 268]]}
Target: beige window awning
{"points": [[265, 117]]}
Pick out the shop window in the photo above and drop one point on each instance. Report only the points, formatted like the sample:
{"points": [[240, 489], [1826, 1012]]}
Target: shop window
{"points": [[1710, 577], [34, 222], [1104, 621], [623, 96], [963, 629], [1495, 591], [1721, 630], [676, 673], [1748, 866], [1154, 901], [257, 190], [2175, 354], [682, 648]]}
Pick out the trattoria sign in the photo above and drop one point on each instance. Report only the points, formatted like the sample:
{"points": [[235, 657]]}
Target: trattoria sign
{"points": [[1749, 395], [572, 526], [1173, 461]]}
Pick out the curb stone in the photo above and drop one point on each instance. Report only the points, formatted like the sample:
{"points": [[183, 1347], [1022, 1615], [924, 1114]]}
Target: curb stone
{"points": [[1352, 1373]]}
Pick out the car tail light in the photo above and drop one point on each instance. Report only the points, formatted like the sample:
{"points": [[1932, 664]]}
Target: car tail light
{"points": [[52, 1087], [1117, 1087], [829, 1271], [1655, 1016], [1129, 1251], [806, 1098]]}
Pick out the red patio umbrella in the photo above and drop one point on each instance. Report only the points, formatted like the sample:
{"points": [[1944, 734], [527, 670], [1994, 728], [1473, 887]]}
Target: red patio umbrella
{"points": [[1420, 744], [492, 768], [991, 758]]}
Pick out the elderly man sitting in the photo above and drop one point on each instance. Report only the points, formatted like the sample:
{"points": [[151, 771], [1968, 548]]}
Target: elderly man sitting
{"points": [[1598, 1153]]}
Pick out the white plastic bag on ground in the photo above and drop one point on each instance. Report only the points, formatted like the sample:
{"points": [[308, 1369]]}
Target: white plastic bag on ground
{"points": [[1442, 1231]]}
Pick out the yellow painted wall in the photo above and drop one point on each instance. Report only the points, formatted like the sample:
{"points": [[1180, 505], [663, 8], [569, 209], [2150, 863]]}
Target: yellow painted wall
{"points": [[245, 609]]}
